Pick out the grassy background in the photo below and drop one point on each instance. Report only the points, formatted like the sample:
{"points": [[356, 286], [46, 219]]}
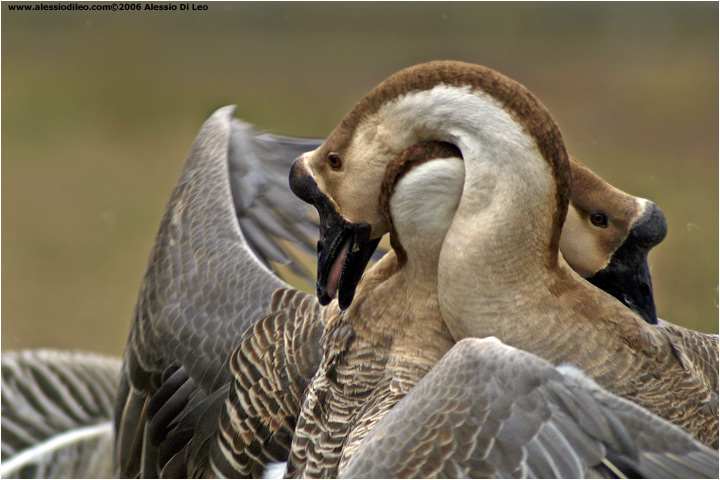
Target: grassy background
{"points": [[100, 109]]}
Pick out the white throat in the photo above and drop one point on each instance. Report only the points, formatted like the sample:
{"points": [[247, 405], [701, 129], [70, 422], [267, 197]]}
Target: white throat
{"points": [[422, 207]]}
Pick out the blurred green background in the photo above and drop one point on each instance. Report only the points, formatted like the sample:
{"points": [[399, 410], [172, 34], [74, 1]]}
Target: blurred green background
{"points": [[100, 109]]}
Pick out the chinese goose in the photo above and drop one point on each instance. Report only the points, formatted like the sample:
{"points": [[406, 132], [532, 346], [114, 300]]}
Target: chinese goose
{"points": [[519, 281], [501, 257], [205, 284], [376, 350]]}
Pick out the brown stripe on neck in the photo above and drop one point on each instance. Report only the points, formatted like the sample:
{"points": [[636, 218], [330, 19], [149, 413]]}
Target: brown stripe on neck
{"points": [[525, 108], [397, 168]]}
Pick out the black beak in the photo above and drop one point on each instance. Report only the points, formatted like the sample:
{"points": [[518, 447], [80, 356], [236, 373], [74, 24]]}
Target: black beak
{"points": [[344, 249], [627, 276]]}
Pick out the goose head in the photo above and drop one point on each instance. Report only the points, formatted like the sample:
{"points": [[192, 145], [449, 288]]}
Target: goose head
{"points": [[465, 106], [607, 236], [344, 247]]}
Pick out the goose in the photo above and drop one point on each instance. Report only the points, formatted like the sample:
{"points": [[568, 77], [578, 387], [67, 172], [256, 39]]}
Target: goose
{"points": [[375, 351], [502, 273], [213, 323], [571, 321]]}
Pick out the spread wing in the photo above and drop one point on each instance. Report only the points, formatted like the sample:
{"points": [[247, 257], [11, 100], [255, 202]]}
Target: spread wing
{"points": [[279, 227], [489, 410], [206, 283], [56, 414]]}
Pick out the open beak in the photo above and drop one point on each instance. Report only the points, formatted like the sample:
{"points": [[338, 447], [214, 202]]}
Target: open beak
{"points": [[627, 276], [344, 249]]}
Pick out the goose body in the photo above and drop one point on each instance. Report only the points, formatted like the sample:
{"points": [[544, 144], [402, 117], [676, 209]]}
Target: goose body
{"points": [[501, 258]]}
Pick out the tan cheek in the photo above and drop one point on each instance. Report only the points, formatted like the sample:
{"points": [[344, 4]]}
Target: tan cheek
{"points": [[357, 202], [582, 246], [358, 199], [344, 190], [358, 188]]}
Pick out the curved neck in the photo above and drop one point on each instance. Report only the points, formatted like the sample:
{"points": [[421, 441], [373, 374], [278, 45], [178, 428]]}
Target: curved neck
{"points": [[503, 238], [499, 245], [496, 251]]}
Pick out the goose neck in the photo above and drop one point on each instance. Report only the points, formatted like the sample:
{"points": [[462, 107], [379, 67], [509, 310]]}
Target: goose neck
{"points": [[497, 253]]}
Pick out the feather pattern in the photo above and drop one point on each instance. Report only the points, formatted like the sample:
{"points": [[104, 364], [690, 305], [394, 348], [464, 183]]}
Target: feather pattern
{"points": [[491, 411], [205, 291], [56, 414], [271, 371]]}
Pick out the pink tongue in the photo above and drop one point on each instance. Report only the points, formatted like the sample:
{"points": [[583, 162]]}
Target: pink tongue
{"points": [[335, 271]]}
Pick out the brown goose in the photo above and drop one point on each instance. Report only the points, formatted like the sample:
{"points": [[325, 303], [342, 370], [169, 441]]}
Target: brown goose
{"points": [[387, 340], [517, 177], [570, 321], [182, 403]]}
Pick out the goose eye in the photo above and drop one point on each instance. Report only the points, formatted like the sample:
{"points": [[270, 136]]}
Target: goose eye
{"points": [[599, 219], [335, 161]]}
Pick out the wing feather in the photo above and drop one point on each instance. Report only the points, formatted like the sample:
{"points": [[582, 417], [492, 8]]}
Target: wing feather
{"points": [[204, 286], [56, 414], [272, 368], [506, 386], [208, 287]]}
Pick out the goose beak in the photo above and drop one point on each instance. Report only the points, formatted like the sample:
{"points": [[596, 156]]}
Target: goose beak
{"points": [[344, 249], [627, 276]]}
